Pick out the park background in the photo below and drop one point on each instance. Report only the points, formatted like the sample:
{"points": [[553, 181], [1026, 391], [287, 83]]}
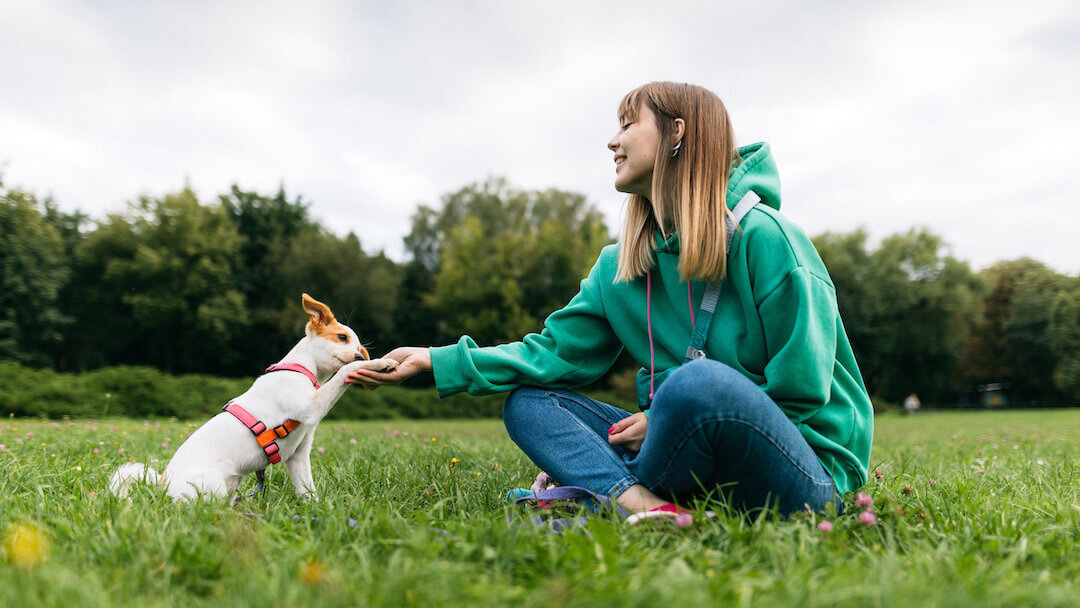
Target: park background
{"points": [[210, 289]]}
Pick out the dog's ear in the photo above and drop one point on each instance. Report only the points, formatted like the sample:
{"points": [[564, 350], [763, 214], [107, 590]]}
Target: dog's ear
{"points": [[320, 313]]}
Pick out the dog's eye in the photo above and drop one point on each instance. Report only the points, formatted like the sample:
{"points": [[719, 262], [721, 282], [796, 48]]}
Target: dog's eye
{"points": [[343, 337]]}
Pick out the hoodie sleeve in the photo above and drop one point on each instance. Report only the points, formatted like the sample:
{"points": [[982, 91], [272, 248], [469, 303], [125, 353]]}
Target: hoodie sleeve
{"points": [[576, 347], [801, 322]]}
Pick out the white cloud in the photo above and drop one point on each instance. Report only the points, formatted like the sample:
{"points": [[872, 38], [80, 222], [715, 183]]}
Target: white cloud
{"points": [[957, 116]]}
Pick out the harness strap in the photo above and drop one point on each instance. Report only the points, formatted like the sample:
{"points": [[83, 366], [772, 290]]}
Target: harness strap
{"points": [[267, 437], [294, 367], [712, 291]]}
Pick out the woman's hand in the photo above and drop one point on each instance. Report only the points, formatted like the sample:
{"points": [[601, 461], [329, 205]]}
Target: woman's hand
{"points": [[411, 361], [629, 432]]}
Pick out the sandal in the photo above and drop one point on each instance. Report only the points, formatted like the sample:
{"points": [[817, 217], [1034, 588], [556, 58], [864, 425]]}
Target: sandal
{"points": [[683, 517]]}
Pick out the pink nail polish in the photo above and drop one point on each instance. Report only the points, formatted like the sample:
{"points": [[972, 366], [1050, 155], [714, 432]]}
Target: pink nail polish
{"points": [[611, 430]]}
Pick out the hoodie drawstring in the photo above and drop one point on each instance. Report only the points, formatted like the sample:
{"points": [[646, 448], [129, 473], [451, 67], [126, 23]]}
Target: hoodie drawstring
{"points": [[648, 316]]}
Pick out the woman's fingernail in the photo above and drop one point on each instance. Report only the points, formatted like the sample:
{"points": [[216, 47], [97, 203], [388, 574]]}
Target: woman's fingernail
{"points": [[611, 430]]}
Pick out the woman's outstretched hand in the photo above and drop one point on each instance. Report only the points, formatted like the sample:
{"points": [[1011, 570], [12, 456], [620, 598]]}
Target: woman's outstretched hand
{"points": [[629, 432], [411, 361]]}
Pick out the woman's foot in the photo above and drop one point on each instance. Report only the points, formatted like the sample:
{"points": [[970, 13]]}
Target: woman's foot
{"points": [[638, 498], [683, 517]]}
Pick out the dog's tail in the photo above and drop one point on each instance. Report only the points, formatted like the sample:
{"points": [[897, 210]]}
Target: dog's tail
{"points": [[129, 473]]}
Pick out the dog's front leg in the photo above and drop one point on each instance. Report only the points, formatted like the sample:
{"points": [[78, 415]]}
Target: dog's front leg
{"points": [[325, 398], [299, 467]]}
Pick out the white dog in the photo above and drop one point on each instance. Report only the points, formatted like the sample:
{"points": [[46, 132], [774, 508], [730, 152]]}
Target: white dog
{"points": [[274, 421]]}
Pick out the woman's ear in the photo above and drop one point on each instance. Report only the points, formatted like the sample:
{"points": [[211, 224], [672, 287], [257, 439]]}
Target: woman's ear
{"points": [[680, 130]]}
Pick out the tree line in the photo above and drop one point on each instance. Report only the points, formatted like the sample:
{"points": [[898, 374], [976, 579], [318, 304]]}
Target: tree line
{"points": [[213, 287]]}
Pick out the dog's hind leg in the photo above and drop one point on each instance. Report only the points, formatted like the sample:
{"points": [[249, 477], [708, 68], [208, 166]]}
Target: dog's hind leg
{"points": [[207, 482], [299, 467]]}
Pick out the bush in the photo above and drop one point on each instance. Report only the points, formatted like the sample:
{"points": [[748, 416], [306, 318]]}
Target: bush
{"points": [[143, 391]]}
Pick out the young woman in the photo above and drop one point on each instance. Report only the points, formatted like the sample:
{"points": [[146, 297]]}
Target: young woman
{"points": [[775, 414]]}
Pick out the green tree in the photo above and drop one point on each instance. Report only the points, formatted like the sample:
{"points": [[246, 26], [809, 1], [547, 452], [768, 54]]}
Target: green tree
{"points": [[161, 286], [500, 260], [1012, 343], [907, 306], [268, 227], [1065, 342], [33, 270]]}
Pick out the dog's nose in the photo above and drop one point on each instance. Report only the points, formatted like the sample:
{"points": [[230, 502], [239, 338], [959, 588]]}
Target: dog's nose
{"points": [[362, 355]]}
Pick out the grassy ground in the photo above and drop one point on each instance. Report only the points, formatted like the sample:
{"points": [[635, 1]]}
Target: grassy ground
{"points": [[978, 509]]}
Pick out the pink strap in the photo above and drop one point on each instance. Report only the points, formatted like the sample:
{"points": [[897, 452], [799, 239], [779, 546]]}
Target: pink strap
{"points": [[648, 316], [294, 367], [690, 300], [243, 416], [257, 428]]}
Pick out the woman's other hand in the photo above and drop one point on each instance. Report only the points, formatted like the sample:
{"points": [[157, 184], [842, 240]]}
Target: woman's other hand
{"points": [[629, 432], [411, 361]]}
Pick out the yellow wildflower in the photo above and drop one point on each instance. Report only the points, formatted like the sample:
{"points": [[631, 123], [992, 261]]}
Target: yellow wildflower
{"points": [[26, 545]]}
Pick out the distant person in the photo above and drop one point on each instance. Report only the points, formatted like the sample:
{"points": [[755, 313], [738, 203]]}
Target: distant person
{"points": [[773, 412], [912, 404]]}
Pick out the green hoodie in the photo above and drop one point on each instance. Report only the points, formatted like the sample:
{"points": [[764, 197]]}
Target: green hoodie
{"points": [[776, 322]]}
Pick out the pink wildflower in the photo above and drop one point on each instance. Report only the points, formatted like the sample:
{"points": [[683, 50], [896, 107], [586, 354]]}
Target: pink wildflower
{"points": [[878, 474], [1, 446], [684, 520], [94, 451], [29, 434], [352, 442], [164, 445], [825, 526], [864, 500], [867, 517], [321, 450]]}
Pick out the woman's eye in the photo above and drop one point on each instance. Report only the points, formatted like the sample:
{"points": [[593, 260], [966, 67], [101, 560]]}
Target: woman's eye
{"points": [[626, 126]]}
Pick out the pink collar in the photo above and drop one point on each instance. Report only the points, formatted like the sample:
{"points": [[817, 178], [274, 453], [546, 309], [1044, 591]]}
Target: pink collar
{"points": [[294, 367]]}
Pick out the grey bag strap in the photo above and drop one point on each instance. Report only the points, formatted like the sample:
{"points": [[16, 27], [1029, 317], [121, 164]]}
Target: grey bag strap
{"points": [[712, 291]]}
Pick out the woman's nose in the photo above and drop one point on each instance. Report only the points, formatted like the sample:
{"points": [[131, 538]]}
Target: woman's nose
{"points": [[614, 143]]}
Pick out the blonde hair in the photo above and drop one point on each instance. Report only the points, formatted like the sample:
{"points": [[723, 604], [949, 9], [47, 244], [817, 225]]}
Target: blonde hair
{"points": [[689, 189]]}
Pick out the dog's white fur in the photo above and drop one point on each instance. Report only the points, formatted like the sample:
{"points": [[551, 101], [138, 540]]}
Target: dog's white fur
{"points": [[217, 456]]}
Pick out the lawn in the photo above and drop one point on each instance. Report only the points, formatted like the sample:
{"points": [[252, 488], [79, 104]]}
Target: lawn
{"points": [[970, 509]]}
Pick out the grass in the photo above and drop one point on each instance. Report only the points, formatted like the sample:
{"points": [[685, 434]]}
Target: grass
{"points": [[973, 509]]}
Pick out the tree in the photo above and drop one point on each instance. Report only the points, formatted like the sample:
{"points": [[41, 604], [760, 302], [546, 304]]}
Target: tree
{"points": [[1065, 342], [160, 286], [268, 227], [907, 306], [33, 270], [1012, 344], [499, 260]]}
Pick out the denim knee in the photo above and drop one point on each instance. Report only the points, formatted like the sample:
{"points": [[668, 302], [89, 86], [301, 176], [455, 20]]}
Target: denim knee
{"points": [[708, 386], [520, 407]]}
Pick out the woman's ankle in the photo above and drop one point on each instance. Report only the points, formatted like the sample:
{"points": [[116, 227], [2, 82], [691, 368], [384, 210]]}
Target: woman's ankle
{"points": [[638, 498]]}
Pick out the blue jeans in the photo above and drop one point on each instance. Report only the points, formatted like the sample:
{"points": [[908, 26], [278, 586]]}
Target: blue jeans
{"points": [[710, 430]]}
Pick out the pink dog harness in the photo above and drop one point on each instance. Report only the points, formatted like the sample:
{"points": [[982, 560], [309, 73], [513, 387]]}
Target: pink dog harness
{"points": [[267, 437]]}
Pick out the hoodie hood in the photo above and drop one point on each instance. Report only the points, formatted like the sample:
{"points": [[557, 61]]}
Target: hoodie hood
{"points": [[755, 170]]}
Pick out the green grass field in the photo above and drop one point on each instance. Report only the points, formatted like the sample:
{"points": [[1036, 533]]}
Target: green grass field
{"points": [[972, 509]]}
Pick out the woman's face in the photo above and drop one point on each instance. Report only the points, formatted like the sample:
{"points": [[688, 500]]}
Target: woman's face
{"points": [[635, 145]]}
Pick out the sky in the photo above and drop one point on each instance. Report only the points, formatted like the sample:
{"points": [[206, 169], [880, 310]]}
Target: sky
{"points": [[960, 117]]}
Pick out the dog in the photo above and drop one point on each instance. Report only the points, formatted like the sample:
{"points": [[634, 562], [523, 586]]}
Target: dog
{"points": [[274, 420]]}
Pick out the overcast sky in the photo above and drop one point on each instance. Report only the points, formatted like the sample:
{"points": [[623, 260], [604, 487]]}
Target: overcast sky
{"points": [[963, 117]]}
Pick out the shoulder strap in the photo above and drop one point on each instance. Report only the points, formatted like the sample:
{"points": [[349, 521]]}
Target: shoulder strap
{"points": [[712, 291]]}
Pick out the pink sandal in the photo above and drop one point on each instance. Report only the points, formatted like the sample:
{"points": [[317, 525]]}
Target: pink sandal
{"points": [[683, 517]]}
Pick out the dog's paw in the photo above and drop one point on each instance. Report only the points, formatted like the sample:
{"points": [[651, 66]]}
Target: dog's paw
{"points": [[382, 365]]}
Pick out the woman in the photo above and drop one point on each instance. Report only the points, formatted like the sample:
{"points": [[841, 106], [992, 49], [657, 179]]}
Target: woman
{"points": [[776, 414]]}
